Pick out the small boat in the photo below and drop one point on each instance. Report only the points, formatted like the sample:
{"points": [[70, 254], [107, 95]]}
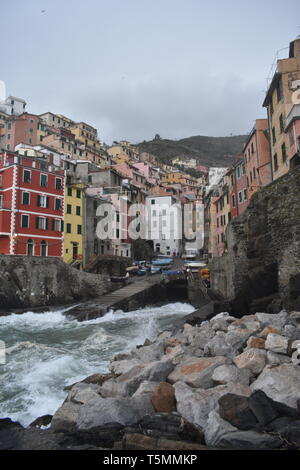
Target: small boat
{"points": [[162, 262]]}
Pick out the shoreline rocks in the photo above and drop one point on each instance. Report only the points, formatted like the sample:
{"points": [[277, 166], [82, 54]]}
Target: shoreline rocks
{"points": [[226, 383]]}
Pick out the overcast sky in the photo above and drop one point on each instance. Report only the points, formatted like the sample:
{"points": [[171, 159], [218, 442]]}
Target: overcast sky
{"points": [[134, 68]]}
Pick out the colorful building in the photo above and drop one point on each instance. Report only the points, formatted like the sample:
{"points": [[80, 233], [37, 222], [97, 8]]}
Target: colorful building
{"points": [[257, 157], [31, 206], [74, 222], [280, 98]]}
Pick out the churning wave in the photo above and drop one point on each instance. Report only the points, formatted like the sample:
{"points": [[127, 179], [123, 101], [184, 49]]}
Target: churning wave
{"points": [[47, 351]]}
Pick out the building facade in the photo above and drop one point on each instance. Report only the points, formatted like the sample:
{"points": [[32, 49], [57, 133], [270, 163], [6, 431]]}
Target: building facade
{"points": [[31, 206]]}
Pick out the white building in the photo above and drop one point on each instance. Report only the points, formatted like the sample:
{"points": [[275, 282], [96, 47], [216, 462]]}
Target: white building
{"points": [[13, 106], [164, 224]]}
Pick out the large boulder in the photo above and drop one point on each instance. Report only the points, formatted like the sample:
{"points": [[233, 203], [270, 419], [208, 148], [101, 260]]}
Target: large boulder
{"points": [[253, 359], [277, 320], [217, 346], [197, 372], [216, 428], [168, 426], [277, 343], [235, 409], [250, 440], [196, 404], [163, 398], [281, 383], [230, 373], [122, 410]]}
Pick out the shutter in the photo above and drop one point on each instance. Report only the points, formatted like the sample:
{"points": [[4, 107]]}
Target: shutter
{"points": [[62, 226], [47, 224], [37, 222], [53, 224], [39, 201], [47, 202]]}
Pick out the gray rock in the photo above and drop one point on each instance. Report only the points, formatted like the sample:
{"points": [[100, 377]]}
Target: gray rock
{"points": [[196, 404], [123, 366], [230, 373], [275, 359], [66, 417], [249, 440], [276, 320], [237, 337], [197, 372], [281, 383], [216, 428], [150, 353], [217, 346], [128, 383], [145, 387], [276, 343], [125, 411], [204, 335]]}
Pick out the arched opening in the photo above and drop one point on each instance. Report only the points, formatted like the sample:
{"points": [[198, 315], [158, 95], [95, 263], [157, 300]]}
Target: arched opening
{"points": [[44, 248], [30, 247]]}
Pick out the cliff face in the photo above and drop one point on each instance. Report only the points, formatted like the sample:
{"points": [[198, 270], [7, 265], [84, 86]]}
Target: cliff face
{"points": [[262, 266], [34, 282]]}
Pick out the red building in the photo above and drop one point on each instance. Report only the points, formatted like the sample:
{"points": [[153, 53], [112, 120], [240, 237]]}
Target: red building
{"points": [[31, 206]]}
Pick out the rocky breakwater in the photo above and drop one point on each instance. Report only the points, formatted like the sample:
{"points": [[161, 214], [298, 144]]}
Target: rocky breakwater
{"points": [[224, 384]]}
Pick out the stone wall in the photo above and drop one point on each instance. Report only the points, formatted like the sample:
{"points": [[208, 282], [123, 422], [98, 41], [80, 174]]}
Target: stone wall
{"points": [[36, 282], [262, 266]]}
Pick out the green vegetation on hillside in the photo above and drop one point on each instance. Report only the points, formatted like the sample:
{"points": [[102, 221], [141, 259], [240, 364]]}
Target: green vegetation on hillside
{"points": [[209, 151]]}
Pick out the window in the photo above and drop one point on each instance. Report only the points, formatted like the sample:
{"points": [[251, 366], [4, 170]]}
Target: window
{"points": [[70, 192], [43, 201], [229, 216], [69, 209], [273, 135], [252, 148], [281, 123], [58, 204], [238, 172], [69, 228], [79, 230], [279, 90], [57, 225], [24, 221], [78, 210], [78, 193], [27, 176], [30, 248], [240, 197], [41, 223], [283, 152], [44, 248], [44, 180], [152, 201], [245, 195], [218, 222], [25, 198], [31, 130], [243, 170], [58, 183], [275, 162], [8, 136]]}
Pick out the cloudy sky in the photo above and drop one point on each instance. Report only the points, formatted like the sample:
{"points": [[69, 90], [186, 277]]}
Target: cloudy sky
{"points": [[134, 68]]}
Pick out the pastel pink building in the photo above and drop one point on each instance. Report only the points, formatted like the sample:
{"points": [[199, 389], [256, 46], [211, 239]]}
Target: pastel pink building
{"points": [[21, 129], [257, 157]]}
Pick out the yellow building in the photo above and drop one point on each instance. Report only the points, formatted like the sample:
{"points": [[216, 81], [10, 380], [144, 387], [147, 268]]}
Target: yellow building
{"points": [[74, 224], [86, 134], [279, 100]]}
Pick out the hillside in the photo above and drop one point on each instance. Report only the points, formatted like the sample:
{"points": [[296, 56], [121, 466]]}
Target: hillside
{"points": [[209, 151]]}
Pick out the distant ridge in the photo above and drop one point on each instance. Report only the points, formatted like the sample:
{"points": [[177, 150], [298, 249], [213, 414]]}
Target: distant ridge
{"points": [[209, 151]]}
